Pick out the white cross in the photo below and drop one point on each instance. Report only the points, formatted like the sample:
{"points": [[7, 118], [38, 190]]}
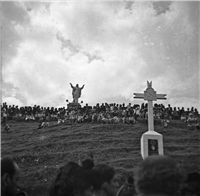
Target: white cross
{"points": [[150, 95]]}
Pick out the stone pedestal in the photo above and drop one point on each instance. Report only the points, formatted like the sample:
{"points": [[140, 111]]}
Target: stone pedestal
{"points": [[151, 144], [74, 105]]}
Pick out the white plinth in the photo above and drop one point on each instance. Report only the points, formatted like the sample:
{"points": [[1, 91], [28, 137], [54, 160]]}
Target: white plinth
{"points": [[151, 144]]}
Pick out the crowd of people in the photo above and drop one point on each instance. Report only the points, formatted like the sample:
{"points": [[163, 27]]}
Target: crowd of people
{"points": [[100, 113], [156, 175]]}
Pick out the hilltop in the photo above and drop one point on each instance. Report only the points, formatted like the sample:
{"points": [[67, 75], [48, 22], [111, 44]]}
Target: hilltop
{"points": [[40, 152]]}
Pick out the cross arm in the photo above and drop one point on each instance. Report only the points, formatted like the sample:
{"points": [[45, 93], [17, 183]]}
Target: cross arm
{"points": [[161, 96], [139, 95]]}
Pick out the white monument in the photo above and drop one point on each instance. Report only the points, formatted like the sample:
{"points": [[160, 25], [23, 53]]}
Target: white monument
{"points": [[151, 141], [76, 94]]}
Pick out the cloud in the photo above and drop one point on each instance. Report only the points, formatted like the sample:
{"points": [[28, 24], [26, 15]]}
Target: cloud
{"points": [[13, 101], [111, 47], [161, 7]]}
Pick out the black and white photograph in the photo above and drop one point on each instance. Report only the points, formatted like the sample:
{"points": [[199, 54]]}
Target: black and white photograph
{"points": [[100, 98]]}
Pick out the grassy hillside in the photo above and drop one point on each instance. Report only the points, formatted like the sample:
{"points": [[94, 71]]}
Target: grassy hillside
{"points": [[40, 152]]}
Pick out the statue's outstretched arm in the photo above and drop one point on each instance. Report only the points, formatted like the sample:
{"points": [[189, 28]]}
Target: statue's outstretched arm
{"points": [[82, 86], [71, 85]]}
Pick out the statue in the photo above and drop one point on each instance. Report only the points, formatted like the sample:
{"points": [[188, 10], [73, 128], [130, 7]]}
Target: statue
{"points": [[76, 92]]}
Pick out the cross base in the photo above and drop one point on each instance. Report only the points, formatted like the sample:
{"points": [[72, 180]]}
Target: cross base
{"points": [[151, 144]]}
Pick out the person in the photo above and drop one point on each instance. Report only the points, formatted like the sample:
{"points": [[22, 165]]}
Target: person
{"points": [[128, 188], [72, 180], [3, 115], [191, 185], [87, 164], [9, 176], [109, 184], [76, 92], [158, 175], [4, 121]]}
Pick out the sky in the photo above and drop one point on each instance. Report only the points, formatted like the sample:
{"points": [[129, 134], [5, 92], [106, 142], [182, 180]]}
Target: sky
{"points": [[113, 47]]}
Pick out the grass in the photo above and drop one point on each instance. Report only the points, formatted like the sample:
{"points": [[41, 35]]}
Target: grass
{"points": [[40, 152]]}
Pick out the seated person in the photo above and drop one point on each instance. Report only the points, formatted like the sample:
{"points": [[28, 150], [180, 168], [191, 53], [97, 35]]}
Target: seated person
{"points": [[191, 119], [192, 122], [184, 118], [165, 123]]}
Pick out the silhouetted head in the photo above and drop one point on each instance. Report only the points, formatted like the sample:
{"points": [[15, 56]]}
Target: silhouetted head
{"points": [[191, 186], [9, 176], [109, 180], [72, 180], [87, 164], [158, 175]]}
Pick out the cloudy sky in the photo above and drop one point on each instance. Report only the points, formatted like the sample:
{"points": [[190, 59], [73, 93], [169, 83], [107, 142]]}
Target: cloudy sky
{"points": [[111, 47]]}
